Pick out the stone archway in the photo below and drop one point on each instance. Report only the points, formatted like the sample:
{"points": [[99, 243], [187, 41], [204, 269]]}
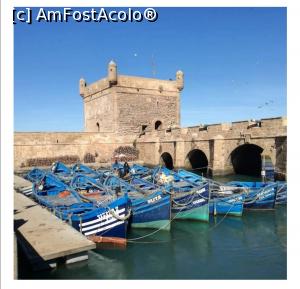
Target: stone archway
{"points": [[196, 159], [246, 159], [166, 160]]}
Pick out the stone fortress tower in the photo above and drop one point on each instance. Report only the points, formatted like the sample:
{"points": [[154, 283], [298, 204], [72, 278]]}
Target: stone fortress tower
{"points": [[130, 104]]}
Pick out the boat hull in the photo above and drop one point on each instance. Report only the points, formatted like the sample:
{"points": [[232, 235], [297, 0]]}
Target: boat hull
{"points": [[152, 213], [261, 198], [101, 222], [197, 214], [193, 206], [281, 197], [110, 220], [232, 206]]}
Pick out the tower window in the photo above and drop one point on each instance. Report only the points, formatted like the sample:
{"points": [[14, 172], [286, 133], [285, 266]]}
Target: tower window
{"points": [[98, 126], [144, 127], [158, 125]]}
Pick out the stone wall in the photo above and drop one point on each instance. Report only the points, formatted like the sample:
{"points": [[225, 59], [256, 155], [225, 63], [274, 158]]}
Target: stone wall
{"points": [[129, 104], [43, 145], [99, 112], [146, 103], [216, 141]]}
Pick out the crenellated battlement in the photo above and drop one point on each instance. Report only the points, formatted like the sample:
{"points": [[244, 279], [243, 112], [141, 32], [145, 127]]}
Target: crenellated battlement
{"points": [[130, 104], [144, 113]]}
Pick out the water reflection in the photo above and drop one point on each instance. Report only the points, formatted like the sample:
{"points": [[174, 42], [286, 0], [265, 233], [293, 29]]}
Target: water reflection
{"points": [[251, 247]]}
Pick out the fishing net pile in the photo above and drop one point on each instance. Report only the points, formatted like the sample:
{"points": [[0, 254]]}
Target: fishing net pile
{"points": [[125, 154], [42, 162], [89, 158]]}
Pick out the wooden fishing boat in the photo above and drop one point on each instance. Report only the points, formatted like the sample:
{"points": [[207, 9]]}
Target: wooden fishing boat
{"points": [[149, 209], [224, 200], [62, 172], [35, 175], [281, 197], [109, 220], [92, 190], [258, 195], [135, 170], [189, 201], [139, 171], [84, 170]]}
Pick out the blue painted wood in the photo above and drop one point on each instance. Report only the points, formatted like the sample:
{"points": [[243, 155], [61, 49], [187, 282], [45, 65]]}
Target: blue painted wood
{"points": [[62, 172], [84, 170], [230, 203], [258, 195], [186, 196], [148, 208], [84, 216], [35, 175]]}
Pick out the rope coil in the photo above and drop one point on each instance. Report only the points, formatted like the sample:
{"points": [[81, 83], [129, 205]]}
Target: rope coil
{"points": [[118, 217]]}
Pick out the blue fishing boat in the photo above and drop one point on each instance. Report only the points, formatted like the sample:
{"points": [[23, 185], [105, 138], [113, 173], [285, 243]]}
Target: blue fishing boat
{"points": [[35, 175], [62, 171], [281, 197], [224, 200], [135, 170], [139, 171], [84, 170], [116, 166], [258, 195], [191, 177], [189, 201], [149, 209], [93, 221], [92, 190]]}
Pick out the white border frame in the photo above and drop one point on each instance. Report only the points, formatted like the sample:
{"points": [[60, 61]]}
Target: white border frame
{"points": [[7, 94]]}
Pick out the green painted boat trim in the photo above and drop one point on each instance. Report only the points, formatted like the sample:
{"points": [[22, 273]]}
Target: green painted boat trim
{"points": [[228, 214], [161, 224], [200, 214], [234, 214]]}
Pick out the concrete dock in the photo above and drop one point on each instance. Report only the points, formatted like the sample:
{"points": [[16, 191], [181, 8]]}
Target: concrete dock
{"points": [[45, 238], [22, 185]]}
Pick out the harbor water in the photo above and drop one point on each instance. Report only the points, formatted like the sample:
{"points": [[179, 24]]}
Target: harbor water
{"points": [[249, 247]]}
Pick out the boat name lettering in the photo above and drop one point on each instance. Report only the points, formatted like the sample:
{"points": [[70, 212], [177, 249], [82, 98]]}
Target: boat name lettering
{"points": [[107, 215], [201, 191], [264, 194], [198, 201], [153, 200]]}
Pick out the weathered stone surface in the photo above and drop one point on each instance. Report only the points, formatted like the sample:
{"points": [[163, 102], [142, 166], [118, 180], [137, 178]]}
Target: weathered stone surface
{"points": [[127, 104], [124, 110]]}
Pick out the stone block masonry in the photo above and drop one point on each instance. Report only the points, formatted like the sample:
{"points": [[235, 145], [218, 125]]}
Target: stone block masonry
{"points": [[121, 110], [130, 105]]}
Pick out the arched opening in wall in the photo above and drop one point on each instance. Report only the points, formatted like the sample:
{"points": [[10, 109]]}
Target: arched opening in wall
{"points": [[166, 160], [158, 125], [246, 160], [197, 160], [98, 126]]}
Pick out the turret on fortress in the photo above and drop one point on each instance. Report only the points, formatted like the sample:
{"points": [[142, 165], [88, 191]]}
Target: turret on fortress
{"points": [[130, 104]]}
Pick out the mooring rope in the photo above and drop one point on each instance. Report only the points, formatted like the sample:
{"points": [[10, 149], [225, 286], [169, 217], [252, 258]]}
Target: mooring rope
{"points": [[187, 203], [133, 240], [154, 232], [118, 217], [247, 190]]}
